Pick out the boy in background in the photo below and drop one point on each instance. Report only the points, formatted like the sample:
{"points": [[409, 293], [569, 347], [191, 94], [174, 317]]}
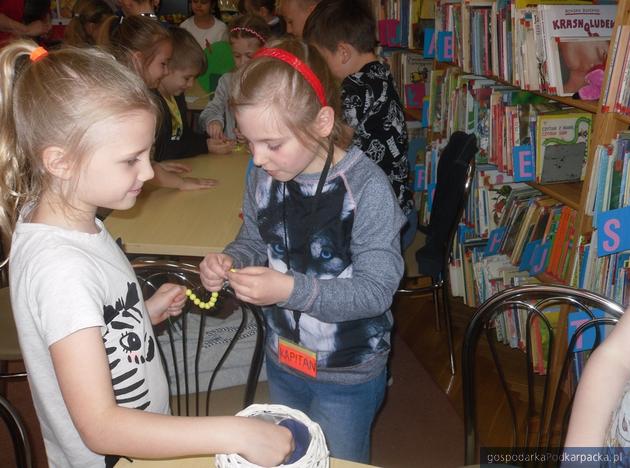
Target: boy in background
{"points": [[344, 32], [295, 13], [175, 138]]}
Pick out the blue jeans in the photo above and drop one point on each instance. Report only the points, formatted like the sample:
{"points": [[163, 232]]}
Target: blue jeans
{"points": [[344, 412]]}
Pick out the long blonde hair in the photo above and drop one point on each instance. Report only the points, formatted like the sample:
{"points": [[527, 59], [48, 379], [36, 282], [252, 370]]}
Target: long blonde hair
{"points": [[272, 82], [55, 101]]}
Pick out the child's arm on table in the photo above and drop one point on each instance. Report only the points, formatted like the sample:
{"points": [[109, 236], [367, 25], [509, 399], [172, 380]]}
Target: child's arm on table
{"points": [[220, 146], [86, 384], [211, 117], [600, 388], [166, 178]]}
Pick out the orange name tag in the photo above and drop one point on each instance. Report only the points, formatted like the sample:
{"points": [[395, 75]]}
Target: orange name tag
{"points": [[300, 359]]}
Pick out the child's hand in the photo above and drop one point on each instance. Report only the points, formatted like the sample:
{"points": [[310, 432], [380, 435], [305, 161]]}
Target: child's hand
{"points": [[265, 443], [197, 183], [175, 167], [166, 302], [220, 146], [215, 130], [213, 270], [260, 285]]}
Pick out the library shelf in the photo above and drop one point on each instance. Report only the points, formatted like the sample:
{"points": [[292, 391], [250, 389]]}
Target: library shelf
{"points": [[568, 193]]}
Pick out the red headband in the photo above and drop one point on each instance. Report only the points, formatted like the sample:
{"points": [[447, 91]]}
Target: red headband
{"points": [[300, 66]]}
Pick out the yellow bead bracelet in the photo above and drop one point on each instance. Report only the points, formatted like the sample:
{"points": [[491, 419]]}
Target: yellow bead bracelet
{"points": [[199, 303]]}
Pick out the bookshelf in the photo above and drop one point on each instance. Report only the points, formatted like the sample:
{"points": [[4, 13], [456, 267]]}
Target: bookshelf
{"points": [[605, 127]]}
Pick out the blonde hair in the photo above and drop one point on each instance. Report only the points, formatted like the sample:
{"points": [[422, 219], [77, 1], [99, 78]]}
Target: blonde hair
{"points": [[134, 34], [59, 100], [85, 11], [274, 83]]}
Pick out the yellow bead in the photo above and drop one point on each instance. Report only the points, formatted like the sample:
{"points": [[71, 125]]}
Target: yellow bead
{"points": [[193, 297], [214, 294], [213, 300], [188, 292], [196, 301]]}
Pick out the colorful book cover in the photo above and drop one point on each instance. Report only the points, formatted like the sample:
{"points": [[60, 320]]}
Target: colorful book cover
{"points": [[562, 146]]}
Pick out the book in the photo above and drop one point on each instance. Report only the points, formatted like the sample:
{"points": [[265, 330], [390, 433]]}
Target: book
{"points": [[562, 145], [571, 21]]}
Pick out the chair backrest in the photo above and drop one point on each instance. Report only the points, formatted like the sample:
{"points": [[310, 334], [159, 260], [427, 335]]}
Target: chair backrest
{"points": [[455, 172], [538, 400], [17, 431], [203, 349]]}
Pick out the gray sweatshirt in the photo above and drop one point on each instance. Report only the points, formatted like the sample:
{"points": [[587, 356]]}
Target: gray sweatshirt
{"points": [[344, 257], [217, 109]]}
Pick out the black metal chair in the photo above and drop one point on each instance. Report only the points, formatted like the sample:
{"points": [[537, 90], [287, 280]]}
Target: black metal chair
{"points": [[539, 405], [183, 354], [17, 431], [456, 169]]}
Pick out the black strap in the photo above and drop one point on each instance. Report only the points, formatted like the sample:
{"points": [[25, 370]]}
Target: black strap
{"points": [[318, 191]]}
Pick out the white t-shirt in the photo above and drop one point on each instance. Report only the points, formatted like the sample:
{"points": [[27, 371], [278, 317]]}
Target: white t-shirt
{"points": [[64, 281], [217, 32]]}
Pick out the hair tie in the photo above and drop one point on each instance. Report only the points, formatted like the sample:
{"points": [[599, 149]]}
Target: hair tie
{"points": [[300, 66], [38, 54], [251, 31]]}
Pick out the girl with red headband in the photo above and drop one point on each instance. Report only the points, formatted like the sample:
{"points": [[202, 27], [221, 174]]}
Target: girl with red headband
{"points": [[248, 33], [69, 145], [319, 248]]}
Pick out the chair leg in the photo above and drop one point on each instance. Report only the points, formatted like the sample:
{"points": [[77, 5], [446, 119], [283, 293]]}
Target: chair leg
{"points": [[257, 358], [17, 430], [4, 370], [436, 307], [449, 326]]}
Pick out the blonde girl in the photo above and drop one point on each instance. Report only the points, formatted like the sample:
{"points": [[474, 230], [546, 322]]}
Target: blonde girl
{"points": [[77, 135], [248, 33], [319, 247]]}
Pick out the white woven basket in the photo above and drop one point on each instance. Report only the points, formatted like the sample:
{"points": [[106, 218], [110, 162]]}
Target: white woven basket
{"points": [[316, 455]]}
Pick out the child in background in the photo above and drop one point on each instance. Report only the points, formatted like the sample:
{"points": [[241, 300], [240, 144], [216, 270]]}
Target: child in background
{"points": [[326, 222], [145, 46], [175, 139], [203, 25], [248, 33], [344, 32], [266, 9], [87, 19], [70, 145], [295, 13]]}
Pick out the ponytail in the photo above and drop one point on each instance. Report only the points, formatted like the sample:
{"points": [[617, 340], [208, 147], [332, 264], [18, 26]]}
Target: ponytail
{"points": [[13, 164]]}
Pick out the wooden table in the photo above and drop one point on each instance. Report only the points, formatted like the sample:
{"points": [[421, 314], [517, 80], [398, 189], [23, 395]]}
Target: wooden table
{"points": [[208, 462], [186, 223]]}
